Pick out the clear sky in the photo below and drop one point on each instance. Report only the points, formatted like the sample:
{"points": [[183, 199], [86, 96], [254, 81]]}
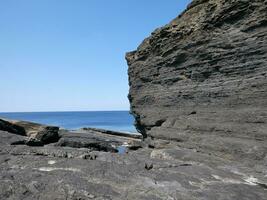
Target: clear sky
{"points": [[68, 55]]}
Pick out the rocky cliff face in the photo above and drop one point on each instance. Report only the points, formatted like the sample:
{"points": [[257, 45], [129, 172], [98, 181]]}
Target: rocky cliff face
{"points": [[202, 78], [198, 86]]}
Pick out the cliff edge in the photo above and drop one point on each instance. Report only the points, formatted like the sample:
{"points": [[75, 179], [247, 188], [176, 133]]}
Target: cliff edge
{"points": [[202, 78]]}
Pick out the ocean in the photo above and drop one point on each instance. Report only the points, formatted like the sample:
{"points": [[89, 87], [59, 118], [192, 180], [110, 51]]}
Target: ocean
{"points": [[112, 120]]}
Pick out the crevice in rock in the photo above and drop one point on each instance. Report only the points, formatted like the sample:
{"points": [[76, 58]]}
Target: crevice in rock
{"points": [[95, 146], [263, 185]]}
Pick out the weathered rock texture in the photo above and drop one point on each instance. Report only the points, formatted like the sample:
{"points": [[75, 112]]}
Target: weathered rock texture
{"points": [[38, 134], [202, 79], [62, 172], [199, 94], [12, 128]]}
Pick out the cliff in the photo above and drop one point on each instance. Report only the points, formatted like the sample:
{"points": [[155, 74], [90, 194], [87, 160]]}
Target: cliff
{"points": [[202, 78], [198, 91]]}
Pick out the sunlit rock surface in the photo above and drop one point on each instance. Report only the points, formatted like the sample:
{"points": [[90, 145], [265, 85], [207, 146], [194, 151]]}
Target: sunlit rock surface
{"points": [[56, 172], [202, 79], [198, 93]]}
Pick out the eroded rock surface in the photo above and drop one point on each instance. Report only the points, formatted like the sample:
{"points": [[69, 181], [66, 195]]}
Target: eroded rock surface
{"points": [[56, 172], [201, 80], [198, 93], [12, 128], [37, 134]]}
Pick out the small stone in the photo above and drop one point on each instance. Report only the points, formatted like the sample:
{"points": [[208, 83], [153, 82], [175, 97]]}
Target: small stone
{"points": [[89, 157], [148, 166], [91, 196]]}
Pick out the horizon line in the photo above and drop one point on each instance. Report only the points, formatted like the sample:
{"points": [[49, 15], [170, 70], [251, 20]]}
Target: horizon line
{"points": [[64, 111]]}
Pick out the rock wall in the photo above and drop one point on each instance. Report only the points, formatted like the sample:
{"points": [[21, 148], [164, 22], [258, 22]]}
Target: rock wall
{"points": [[202, 78]]}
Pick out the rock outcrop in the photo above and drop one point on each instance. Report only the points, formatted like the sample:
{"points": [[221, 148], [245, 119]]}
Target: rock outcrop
{"points": [[37, 134], [12, 128], [198, 91], [202, 79], [64, 172]]}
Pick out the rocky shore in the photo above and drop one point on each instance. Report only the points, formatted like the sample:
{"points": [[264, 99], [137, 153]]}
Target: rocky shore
{"points": [[198, 92], [90, 164]]}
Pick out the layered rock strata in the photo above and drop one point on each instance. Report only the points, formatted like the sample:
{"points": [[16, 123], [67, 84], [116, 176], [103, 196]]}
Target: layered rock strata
{"points": [[37, 134], [77, 170], [198, 92], [202, 79]]}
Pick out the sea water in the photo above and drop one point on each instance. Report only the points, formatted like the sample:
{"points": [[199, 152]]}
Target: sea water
{"points": [[112, 120]]}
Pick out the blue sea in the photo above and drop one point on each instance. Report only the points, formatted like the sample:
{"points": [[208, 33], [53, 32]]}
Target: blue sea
{"points": [[112, 120]]}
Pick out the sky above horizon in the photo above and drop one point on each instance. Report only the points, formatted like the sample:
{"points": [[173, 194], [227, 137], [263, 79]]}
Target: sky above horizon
{"points": [[68, 55]]}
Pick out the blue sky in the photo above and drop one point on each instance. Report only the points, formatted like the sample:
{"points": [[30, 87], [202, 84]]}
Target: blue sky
{"points": [[68, 55]]}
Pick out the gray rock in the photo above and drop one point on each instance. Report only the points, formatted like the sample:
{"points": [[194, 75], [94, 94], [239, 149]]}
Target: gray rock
{"points": [[198, 92], [115, 133], [33, 142], [54, 172], [47, 134], [37, 132], [201, 80], [98, 140], [96, 145], [12, 128]]}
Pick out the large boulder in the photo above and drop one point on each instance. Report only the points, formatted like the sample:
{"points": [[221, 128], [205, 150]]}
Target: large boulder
{"points": [[202, 78], [38, 133], [12, 128]]}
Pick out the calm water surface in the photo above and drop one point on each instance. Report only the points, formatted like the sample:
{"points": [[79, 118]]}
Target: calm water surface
{"points": [[113, 120]]}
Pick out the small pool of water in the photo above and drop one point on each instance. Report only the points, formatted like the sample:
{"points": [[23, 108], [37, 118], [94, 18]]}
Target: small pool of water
{"points": [[122, 149]]}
